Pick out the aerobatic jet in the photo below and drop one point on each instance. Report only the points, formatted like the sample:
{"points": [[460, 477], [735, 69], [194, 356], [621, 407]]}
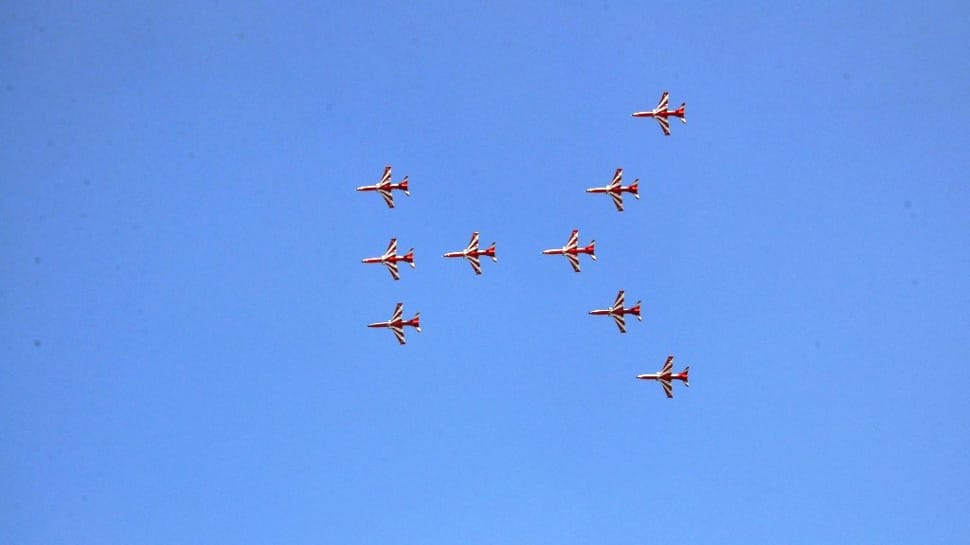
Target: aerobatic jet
{"points": [[472, 253], [384, 187], [572, 250], [396, 323], [661, 113], [390, 259], [616, 191], [617, 312], [666, 375]]}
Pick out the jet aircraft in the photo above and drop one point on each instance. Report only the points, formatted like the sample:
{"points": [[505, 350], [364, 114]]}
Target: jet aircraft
{"points": [[384, 187], [666, 375], [396, 323], [390, 259], [617, 312], [661, 113], [615, 190], [472, 253], [572, 250]]}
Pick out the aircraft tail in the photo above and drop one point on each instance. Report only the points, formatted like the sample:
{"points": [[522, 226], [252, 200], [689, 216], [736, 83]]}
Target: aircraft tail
{"points": [[636, 311], [635, 188], [416, 321], [592, 249], [404, 186], [409, 257], [682, 112], [685, 371], [490, 252]]}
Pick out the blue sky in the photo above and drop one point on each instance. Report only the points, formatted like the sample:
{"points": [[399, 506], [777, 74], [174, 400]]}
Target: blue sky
{"points": [[183, 350]]}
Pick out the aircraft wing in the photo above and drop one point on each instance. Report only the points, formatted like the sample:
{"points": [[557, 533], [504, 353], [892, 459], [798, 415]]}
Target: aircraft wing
{"points": [[620, 322], [391, 248], [476, 265], [662, 105], [392, 268], [618, 303], [573, 260], [617, 178], [617, 200], [386, 178], [473, 243], [398, 312], [573, 241], [388, 198], [399, 333], [668, 388], [668, 366], [664, 125]]}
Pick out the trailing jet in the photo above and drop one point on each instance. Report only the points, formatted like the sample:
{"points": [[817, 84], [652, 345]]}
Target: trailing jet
{"points": [[390, 259], [666, 375], [396, 323], [384, 187], [615, 190], [617, 311], [661, 113], [572, 250], [472, 253]]}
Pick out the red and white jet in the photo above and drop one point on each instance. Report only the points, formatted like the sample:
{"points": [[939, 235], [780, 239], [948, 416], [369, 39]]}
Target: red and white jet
{"points": [[616, 191], [396, 323], [390, 259], [666, 375], [384, 187], [617, 312], [572, 250], [472, 253], [661, 113]]}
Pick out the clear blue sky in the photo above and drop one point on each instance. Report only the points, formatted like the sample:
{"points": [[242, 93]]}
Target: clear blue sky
{"points": [[182, 307]]}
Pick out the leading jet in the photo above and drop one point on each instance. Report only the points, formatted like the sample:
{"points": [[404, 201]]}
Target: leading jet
{"points": [[384, 187], [666, 375], [396, 323], [617, 312], [390, 259], [661, 113], [472, 253], [615, 190], [572, 250]]}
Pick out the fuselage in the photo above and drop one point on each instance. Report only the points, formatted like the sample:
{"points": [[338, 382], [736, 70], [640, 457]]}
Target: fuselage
{"points": [[679, 112], [664, 376], [573, 251], [489, 252], [403, 186], [621, 189], [413, 322], [616, 312], [407, 258]]}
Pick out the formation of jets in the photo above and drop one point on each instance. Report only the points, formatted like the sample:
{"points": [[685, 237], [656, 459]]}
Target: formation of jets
{"points": [[571, 251]]}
